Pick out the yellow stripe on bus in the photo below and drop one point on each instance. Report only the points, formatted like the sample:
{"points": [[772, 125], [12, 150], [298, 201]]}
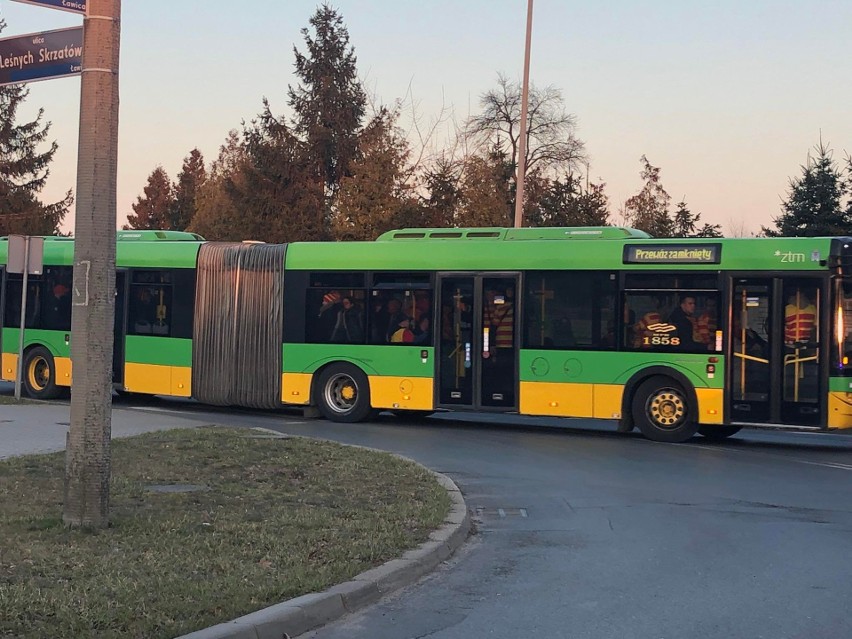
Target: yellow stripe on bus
{"points": [[711, 403], [9, 367], [557, 399], [571, 400], [601, 401], [412, 393], [296, 388], [63, 371], [840, 410], [158, 380]]}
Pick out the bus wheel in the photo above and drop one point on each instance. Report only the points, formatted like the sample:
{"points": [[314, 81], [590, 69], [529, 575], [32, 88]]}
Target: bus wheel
{"points": [[718, 433], [40, 374], [343, 394], [662, 412]]}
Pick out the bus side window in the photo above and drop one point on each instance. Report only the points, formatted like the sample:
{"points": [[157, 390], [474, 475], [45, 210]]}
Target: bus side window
{"points": [[150, 306], [569, 309]]}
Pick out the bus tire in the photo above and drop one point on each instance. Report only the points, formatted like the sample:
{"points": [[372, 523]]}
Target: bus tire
{"points": [[39, 373], [662, 412], [718, 433], [343, 394]]}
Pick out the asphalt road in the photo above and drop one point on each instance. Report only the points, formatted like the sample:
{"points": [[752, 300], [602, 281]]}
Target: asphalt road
{"points": [[581, 532]]}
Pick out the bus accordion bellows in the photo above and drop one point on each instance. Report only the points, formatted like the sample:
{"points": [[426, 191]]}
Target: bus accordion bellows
{"points": [[672, 337]]}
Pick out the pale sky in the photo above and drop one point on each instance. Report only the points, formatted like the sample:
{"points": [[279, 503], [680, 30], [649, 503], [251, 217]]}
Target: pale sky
{"points": [[727, 97]]}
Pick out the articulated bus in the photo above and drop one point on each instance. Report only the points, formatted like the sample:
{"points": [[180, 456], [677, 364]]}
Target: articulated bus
{"points": [[668, 336]]}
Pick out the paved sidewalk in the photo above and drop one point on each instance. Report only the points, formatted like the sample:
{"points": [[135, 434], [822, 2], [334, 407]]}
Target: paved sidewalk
{"points": [[41, 427]]}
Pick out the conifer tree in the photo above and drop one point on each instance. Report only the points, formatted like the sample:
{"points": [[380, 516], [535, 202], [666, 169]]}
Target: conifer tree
{"points": [[187, 185], [566, 203], [814, 206], [648, 210], [24, 170], [274, 188], [443, 185], [379, 193], [685, 224], [216, 215], [487, 191], [329, 102], [153, 209]]}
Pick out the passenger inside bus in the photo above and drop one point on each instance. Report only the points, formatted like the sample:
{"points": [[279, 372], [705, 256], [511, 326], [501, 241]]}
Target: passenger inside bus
{"points": [[707, 322], [653, 316], [799, 319], [349, 326], [683, 319], [58, 309]]}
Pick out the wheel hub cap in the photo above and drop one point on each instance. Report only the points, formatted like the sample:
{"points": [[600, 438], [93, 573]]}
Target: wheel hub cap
{"points": [[667, 409]]}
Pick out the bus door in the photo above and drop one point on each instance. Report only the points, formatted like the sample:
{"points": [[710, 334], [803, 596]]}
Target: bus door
{"points": [[776, 359], [477, 359], [120, 327]]}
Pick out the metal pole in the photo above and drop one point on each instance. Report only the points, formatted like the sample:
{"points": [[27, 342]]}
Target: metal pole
{"points": [[522, 146], [87, 456], [19, 375]]}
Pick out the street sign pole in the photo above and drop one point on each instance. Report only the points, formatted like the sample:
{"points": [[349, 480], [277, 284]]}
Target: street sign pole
{"points": [[26, 256], [23, 324]]}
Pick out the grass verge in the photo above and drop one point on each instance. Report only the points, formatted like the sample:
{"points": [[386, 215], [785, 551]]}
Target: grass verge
{"points": [[5, 399], [273, 519]]}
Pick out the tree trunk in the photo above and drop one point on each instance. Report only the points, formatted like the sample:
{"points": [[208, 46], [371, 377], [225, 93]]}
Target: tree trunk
{"points": [[87, 458]]}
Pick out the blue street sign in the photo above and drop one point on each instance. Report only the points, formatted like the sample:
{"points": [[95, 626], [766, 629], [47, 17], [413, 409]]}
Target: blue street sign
{"points": [[74, 6], [40, 56]]}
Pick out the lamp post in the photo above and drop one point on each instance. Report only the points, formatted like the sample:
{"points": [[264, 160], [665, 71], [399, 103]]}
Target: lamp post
{"points": [[522, 146], [87, 456]]}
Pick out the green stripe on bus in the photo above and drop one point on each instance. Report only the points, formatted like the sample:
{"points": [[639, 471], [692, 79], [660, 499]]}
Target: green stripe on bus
{"points": [[840, 384], [596, 367], [163, 351], [382, 360], [54, 340]]}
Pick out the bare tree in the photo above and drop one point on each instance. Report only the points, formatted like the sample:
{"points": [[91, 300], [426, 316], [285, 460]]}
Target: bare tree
{"points": [[552, 146]]}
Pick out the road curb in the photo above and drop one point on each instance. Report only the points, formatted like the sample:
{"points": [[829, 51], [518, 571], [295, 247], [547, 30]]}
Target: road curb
{"points": [[296, 616]]}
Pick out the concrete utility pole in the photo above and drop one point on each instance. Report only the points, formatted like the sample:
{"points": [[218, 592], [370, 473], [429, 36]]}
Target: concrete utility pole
{"points": [[87, 457], [522, 146]]}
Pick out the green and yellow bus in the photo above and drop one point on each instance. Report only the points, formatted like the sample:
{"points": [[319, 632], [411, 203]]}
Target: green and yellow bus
{"points": [[670, 336]]}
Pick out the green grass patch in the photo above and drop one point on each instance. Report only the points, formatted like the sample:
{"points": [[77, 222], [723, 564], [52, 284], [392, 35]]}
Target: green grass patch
{"points": [[5, 399], [275, 518]]}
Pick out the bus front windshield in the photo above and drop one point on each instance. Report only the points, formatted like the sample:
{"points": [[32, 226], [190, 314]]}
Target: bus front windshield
{"points": [[842, 326]]}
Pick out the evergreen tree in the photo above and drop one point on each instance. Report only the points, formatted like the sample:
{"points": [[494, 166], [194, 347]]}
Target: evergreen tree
{"points": [[217, 216], [153, 209], [566, 203], [848, 186], [487, 191], [24, 171], [814, 206], [684, 221], [442, 183], [685, 224], [377, 193], [329, 102], [189, 181], [648, 210], [274, 188]]}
